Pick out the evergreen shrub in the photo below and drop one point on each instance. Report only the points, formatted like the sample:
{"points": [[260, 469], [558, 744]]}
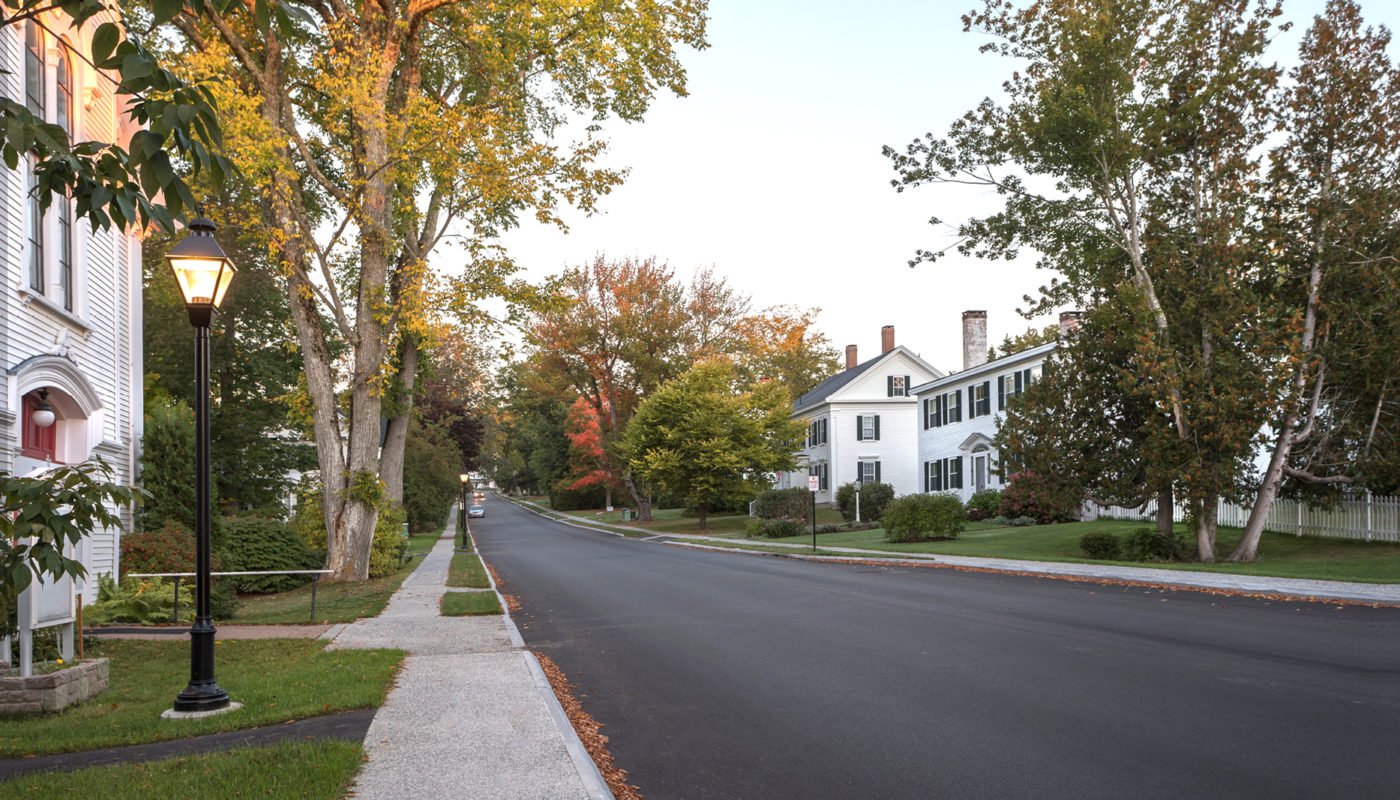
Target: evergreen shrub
{"points": [[262, 543], [918, 517], [983, 505], [1103, 546], [873, 499], [775, 528]]}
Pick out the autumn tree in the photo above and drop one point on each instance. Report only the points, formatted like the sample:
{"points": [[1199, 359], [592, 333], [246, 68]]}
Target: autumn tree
{"points": [[588, 457], [783, 344], [706, 438], [372, 131], [1125, 154], [1330, 214]]}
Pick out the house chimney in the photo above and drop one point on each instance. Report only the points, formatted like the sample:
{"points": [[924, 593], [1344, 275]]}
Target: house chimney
{"points": [[1069, 322], [886, 339], [851, 360], [974, 338]]}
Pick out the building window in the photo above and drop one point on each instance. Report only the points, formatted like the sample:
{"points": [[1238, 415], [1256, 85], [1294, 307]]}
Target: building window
{"points": [[63, 93], [979, 399], [868, 472], [822, 472], [34, 64], [1009, 386], [816, 432], [36, 235], [943, 474], [897, 386], [868, 428]]}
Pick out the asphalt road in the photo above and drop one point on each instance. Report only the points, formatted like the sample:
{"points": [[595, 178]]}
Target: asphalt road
{"points": [[732, 676]]}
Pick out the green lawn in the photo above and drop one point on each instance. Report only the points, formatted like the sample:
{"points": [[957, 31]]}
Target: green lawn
{"points": [[335, 601], [1280, 555], [319, 770], [276, 680], [469, 604], [678, 520], [467, 572]]}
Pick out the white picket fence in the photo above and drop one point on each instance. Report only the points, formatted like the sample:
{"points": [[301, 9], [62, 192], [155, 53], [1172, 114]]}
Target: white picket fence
{"points": [[1373, 518]]}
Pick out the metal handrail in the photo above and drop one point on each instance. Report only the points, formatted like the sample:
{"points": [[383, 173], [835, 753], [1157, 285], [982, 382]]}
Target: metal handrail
{"points": [[175, 613]]}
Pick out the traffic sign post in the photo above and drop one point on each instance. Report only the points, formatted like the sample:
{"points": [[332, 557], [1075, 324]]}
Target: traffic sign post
{"points": [[814, 485]]}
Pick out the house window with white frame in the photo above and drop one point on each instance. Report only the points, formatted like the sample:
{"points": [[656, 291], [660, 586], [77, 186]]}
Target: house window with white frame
{"points": [[869, 472], [897, 385], [944, 474], [49, 96]]}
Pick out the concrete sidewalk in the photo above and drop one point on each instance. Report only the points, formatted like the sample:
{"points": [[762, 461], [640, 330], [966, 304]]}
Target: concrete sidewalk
{"points": [[1381, 593], [472, 714]]}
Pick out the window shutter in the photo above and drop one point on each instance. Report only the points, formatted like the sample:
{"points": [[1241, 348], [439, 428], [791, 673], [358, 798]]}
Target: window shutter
{"points": [[971, 402], [860, 428], [957, 481], [924, 405], [925, 476], [1001, 392], [986, 397], [907, 386], [877, 468], [889, 386], [860, 476], [877, 427]]}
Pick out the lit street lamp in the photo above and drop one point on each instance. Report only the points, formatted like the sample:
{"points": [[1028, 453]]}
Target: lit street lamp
{"points": [[204, 274], [462, 518]]}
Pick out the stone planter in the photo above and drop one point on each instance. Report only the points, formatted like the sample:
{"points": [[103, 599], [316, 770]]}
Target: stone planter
{"points": [[53, 691]]}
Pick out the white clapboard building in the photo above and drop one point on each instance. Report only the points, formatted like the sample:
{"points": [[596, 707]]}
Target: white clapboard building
{"points": [[958, 413], [860, 422], [70, 303]]}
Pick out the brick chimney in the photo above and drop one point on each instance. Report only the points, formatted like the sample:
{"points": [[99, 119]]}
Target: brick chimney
{"points": [[886, 339], [974, 338], [1069, 322], [851, 359]]}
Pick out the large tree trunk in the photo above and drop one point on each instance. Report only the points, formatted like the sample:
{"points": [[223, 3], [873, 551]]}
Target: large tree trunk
{"points": [[1166, 524], [396, 434], [1205, 528], [642, 502]]}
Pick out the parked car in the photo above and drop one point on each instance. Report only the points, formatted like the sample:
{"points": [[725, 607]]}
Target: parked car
{"points": [[476, 512]]}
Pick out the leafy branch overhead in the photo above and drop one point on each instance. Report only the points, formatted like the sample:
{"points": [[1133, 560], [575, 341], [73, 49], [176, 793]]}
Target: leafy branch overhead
{"points": [[146, 181]]}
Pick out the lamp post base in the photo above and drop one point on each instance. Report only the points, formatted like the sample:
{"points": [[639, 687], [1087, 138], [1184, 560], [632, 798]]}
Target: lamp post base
{"points": [[201, 697], [203, 692], [171, 713]]}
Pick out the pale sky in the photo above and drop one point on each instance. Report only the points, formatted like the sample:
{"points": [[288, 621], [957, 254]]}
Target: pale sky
{"points": [[771, 172]]}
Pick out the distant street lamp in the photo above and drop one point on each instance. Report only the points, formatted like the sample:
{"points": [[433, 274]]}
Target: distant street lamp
{"points": [[204, 273], [462, 518]]}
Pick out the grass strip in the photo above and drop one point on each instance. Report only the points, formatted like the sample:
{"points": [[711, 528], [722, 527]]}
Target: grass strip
{"points": [[338, 601], [466, 572], [276, 680], [468, 604], [303, 770]]}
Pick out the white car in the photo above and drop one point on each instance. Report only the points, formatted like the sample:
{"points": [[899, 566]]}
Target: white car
{"points": [[476, 512]]}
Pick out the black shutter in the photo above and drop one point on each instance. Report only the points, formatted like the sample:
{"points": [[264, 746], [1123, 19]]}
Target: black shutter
{"points": [[907, 386], [860, 428], [877, 467], [859, 475], [824, 434], [957, 472], [877, 427], [889, 386], [986, 397], [1001, 392], [925, 476], [971, 402], [924, 406]]}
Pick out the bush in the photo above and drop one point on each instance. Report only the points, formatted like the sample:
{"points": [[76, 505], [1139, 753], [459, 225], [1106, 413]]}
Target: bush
{"points": [[775, 528], [1103, 546], [387, 551], [917, 517], [874, 497], [983, 505], [169, 548], [309, 522], [262, 543], [1145, 544], [791, 504], [1023, 522], [1032, 495]]}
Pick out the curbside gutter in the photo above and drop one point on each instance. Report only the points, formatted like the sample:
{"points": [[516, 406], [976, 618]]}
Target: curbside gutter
{"points": [[588, 772]]}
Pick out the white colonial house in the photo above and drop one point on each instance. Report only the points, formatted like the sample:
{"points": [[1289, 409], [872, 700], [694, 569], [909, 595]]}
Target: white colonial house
{"points": [[70, 299], [959, 413], [859, 423]]}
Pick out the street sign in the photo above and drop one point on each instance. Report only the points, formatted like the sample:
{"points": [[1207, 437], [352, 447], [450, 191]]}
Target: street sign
{"points": [[814, 483]]}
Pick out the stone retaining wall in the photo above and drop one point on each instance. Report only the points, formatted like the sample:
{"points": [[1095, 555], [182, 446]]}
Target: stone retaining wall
{"points": [[53, 691]]}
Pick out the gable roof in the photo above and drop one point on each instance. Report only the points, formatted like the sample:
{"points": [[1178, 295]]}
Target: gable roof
{"points": [[986, 367], [819, 393]]}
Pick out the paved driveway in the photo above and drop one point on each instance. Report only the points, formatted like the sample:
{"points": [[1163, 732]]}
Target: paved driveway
{"points": [[731, 676]]}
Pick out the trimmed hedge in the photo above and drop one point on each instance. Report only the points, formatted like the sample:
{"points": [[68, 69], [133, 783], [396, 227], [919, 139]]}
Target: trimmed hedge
{"points": [[1102, 546], [983, 505], [917, 517], [775, 528], [261, 543], [792, 504]]}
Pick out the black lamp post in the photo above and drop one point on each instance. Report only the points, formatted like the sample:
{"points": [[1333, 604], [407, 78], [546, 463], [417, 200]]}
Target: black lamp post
{"points": [[204, 273]]}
